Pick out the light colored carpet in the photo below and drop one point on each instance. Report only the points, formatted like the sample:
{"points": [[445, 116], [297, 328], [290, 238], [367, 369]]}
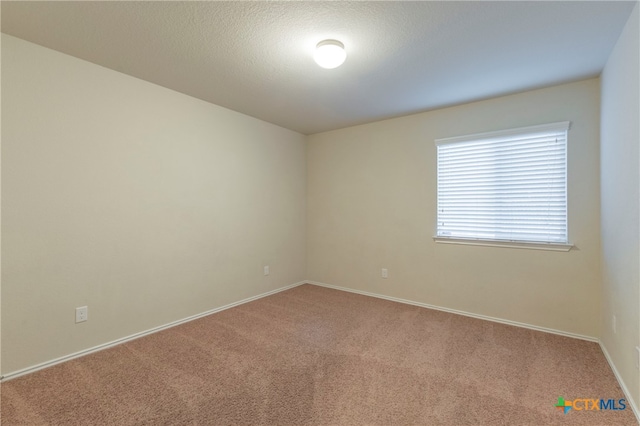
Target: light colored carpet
{"points": [[312, 355]]}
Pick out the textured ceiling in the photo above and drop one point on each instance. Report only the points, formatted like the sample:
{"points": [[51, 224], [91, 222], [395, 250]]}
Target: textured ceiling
{"points": [[403, 57]]}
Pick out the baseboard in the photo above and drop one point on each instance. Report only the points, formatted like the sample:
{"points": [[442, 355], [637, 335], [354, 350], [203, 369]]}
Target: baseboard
{"points": [[466, 314], [630, 400], [120, 341], [103, 346]]}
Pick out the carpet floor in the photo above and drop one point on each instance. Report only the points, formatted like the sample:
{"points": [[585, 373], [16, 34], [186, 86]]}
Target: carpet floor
{"points": [[312, 355]]}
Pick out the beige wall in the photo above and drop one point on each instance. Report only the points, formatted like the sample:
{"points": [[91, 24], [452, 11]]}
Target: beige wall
{"points": [[620, 139], [144, 204], [372, 205]]}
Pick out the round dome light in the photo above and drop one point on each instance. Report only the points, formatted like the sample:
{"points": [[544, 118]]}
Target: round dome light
{"points": [[330, 54]]}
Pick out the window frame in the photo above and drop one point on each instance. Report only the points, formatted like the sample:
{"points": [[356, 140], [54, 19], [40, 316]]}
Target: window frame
{"points": [[521, 244]]}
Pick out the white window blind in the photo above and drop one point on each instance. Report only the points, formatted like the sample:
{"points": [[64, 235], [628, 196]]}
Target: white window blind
{"points": [[504, 186]]}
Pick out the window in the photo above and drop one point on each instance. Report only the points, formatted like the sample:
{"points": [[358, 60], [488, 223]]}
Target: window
{"points": [[505, 188]]}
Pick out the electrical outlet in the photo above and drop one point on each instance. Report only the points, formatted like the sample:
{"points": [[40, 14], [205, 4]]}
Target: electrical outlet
{"points": [[82, 314], [385, 273], [638, 357], [613, 324], [266, 270]]}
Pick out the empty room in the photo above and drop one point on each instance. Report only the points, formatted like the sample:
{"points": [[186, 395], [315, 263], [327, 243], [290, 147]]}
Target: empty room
{"points": [[327, 213]]}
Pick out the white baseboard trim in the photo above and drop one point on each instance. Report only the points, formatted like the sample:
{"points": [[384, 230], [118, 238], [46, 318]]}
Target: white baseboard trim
{"points": [[116, 342], [466, 314], [630, 400]]}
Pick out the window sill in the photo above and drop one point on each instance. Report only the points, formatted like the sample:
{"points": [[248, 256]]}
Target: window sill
{"points": [[502, 243]]}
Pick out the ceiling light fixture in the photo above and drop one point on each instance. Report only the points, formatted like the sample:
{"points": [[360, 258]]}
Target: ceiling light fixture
{"points": [[330, 54]]}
